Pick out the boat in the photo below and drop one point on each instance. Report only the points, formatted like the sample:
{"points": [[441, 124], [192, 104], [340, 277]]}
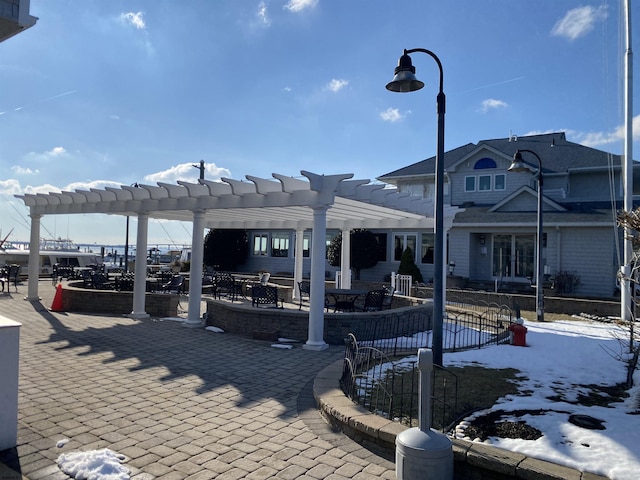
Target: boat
{"points": [[52, 251]]}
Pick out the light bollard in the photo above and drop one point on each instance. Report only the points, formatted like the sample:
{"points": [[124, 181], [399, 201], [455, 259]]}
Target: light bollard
{"points": [[422, 452]]}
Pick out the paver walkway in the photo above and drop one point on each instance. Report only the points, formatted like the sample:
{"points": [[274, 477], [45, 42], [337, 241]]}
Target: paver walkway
{"points": [[179, 403]]}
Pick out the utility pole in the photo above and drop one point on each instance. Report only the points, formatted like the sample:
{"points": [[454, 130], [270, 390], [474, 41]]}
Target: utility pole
{"points": [[201, 168]]}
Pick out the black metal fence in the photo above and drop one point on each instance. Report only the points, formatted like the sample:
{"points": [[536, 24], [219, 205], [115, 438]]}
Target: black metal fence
{"points": [[380, 370]]}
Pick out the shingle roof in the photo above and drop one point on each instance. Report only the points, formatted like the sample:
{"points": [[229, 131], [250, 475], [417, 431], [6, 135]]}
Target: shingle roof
{"points": [[558, 155], [482, 215]]}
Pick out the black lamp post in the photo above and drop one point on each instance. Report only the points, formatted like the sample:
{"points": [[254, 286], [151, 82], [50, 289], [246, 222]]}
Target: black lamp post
{"points": [[405, 80], [518, 165]]}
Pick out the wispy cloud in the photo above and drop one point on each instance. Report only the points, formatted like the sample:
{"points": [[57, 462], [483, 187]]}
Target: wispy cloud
{"points": [[391, 115], [17, 109], [300, 5], [335, 85], [55, 152], [579, 21], [187, 172], [596, 139], [134, 19], [262, 15], [492, 104], [18, 170]]}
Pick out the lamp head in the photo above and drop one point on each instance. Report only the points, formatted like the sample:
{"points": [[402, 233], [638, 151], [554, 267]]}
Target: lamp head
{"points": [[518, 165], [404, 79]]}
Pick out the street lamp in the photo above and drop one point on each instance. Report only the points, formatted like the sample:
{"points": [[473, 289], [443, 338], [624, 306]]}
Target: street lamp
{"points": [[404, 80], [518, 165]]}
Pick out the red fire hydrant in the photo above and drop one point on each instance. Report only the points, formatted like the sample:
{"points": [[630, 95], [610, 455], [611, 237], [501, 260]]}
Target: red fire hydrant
{"points": [[518, 333]]}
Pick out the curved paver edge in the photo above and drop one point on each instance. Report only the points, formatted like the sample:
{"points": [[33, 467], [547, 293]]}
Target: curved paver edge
{"points": [[373, 430]]}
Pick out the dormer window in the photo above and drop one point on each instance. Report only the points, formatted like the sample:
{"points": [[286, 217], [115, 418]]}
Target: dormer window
{"points": [[486, 182]]}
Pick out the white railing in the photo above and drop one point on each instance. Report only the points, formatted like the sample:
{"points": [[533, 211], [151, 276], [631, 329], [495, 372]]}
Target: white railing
{"points": [[401, 284]]}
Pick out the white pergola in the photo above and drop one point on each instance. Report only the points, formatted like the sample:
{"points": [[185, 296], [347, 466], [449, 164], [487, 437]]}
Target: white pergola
{"points": [[317, 203]]}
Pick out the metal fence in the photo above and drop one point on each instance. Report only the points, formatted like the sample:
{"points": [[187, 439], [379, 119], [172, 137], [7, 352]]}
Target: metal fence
{"points": [[380, 370]]}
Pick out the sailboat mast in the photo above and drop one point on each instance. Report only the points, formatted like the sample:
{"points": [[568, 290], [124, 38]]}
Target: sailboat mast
{"points": [[625, 297]]}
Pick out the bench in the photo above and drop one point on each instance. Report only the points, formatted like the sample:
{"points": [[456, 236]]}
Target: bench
{"points": [[266, 295]]}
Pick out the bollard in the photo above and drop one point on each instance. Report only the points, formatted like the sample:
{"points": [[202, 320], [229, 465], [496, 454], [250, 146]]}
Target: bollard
{"points": [[9, 360], [422, 452]]}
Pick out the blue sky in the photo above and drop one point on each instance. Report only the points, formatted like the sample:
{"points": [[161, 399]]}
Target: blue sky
{"points": [[112, 93]]}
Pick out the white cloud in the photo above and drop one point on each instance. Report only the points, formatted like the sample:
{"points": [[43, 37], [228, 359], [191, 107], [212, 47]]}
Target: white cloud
{"points": [[336, 85], [187, 172], [391, 115], [24, 170], [47, 188], [55, 152], [300, 5], [100, 184], [579, 21], [492, 104], [10, 187], [596, 139], [133, 19], [262, 15]]}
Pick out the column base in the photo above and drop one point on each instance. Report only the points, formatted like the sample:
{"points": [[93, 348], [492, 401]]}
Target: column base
{"points": [[192, 324], [318, 347], [139, 316]]}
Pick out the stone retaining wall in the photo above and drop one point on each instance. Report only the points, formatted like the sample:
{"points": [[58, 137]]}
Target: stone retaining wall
{"points": [[85, 300], [271, 323]]}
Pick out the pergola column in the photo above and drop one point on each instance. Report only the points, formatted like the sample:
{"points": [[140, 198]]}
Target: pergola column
{"points": [[140, 275], [298, 264], [34, 258], [345, 259], [315, 340], [195, 274]]}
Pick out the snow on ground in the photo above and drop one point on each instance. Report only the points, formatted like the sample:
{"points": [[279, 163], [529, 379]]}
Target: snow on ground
{"points": [[560, 360]]}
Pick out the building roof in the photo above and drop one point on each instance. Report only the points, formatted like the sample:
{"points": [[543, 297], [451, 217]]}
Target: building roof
{"points": [[558, 156], [483, 216]]}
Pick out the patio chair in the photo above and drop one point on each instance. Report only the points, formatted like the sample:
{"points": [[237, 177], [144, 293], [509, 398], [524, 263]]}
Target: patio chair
{"points": [[373, 301], [4, 276], [387, 301], [265, 295], [304, 290], [224, 283], [174, 285], [14, 274], [101, 281]]}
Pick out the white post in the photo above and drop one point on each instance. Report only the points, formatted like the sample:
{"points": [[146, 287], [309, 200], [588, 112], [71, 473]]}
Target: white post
{"points": [[34, 258], [345, 259], [195, 274], [316, 301], [9, 360], [140, 275], [298, 264]]}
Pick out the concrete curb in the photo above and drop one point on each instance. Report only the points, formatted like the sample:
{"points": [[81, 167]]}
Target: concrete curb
{"points": [[379, 433]]}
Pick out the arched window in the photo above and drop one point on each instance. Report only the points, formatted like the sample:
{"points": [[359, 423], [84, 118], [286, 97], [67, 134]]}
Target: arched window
{"points": [[484, 163]]}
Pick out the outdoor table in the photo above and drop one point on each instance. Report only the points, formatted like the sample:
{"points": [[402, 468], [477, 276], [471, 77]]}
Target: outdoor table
{"points": [[345, 298]]}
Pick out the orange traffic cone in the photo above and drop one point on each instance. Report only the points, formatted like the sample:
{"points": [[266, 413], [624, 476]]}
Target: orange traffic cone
{"points": [[56, 305]]}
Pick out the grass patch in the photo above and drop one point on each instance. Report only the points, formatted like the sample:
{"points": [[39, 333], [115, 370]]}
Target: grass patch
{"points": [[458, 391]]}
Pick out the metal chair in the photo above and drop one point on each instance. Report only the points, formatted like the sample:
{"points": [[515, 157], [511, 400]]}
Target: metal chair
{"points": [[14, 273], [373, 301], [304, 290], [174, 285]]}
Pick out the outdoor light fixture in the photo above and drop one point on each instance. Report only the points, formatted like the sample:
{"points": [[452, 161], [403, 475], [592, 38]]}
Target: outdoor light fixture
{"points": [[518, 165], [452, 267], [404, 80]]}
